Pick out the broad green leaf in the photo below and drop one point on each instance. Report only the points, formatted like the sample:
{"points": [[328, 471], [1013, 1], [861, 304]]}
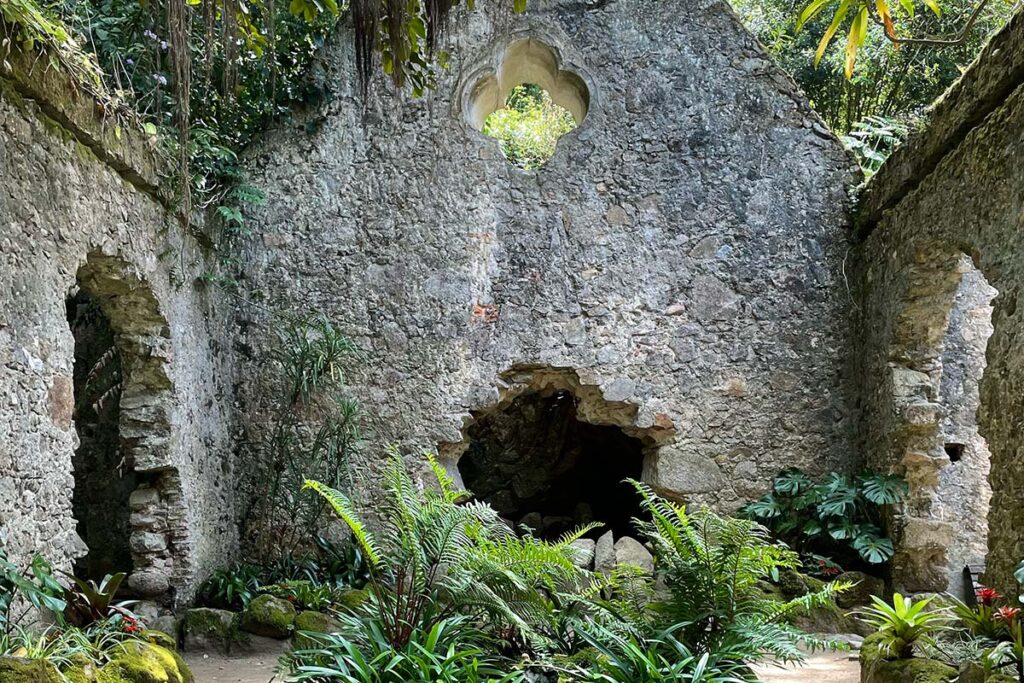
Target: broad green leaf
{"points": [[811, 11]]}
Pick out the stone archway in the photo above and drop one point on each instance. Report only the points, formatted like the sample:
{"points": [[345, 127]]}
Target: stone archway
{"points": [[145, 490], [551, 451], [936, 360]]}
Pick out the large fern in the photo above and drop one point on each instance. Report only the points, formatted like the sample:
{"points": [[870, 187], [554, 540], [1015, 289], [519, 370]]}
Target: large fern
{"points": [[432, 556], [713, 567]]}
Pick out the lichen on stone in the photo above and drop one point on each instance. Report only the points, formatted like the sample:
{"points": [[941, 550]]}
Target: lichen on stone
{"points": [[268, 616]]}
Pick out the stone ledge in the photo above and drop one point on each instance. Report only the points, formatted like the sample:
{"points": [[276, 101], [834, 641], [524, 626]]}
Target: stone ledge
{"points": [[996, 73]]}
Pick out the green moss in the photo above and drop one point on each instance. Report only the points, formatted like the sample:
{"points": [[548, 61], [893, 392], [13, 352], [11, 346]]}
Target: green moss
{"points": [[1001, 678], [268, 616], [139, 662], [17, 670], [204, 621], [352, 599], [312, 622], [876, 667], [162, 639]]}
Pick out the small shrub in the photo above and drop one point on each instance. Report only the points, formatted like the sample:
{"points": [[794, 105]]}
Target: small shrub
{"points": [[304, 594], [89, 603], [904, 624], [231, 588], [980, 620]]}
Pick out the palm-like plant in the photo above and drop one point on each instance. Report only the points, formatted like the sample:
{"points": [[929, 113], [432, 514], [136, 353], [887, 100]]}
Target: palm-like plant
{"points": [[435, 556], [904, 624], [712, 566]]}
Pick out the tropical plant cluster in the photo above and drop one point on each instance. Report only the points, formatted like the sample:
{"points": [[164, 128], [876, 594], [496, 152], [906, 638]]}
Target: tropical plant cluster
{"points": [[86, 624], [942, 630], [456, 594], [835, 522], [309, 579], [311, 429]]}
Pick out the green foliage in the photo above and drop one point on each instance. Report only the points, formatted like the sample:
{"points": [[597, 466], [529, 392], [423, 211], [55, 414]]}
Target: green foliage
{"points": [[34, 586], [1019, 575], [659, 659], [312, 430], [528, 126], [873, 139], [713, 567], [434, 555], [231, 588], [305, 595], [905, 624], [890, 82], [89, 603], [450, 650], [839, 517]]}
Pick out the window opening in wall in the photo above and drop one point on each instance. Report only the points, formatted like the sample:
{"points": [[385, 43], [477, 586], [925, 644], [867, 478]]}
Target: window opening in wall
{"points": [[528, 126], [539, 465], [104, 479], [964, 491]]}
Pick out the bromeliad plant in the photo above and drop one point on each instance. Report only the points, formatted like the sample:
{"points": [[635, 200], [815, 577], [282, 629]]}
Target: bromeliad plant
{"points": [[905, 624], [839, 517]]}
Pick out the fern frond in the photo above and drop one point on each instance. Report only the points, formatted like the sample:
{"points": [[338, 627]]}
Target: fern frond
{"points": [[343, 507]]}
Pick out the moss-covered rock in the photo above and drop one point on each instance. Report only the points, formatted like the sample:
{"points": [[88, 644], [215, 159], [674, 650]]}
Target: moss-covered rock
{"points": [[209, 630], [18, 670], [876, 667], [138, 662], [352, 599], [268, 616], [864, 586], [312, 622], [162, 639], [1001, 678]]}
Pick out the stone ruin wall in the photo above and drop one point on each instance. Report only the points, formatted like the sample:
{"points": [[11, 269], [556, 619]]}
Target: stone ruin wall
{"points": [[948, 209], [78, 206], [678, 265]]}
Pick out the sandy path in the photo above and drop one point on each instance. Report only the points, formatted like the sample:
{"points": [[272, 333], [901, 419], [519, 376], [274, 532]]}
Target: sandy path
{"points": [[829, 667], [214, 668]]}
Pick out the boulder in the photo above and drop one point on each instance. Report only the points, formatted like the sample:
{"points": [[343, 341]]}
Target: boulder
{"points": [[18, 670], [209, 630], [351, 599], [631, 551], [584, 551], [604, 553], [268, 616], [864, 586], [971, 672], [533, 521], [313, 622], [876, 667], [137, 662]]}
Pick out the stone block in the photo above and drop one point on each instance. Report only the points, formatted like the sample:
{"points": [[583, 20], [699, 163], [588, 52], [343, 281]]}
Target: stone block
{"points": [[674, 473]]}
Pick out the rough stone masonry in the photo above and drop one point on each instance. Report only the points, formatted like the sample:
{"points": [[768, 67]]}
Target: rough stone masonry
{"points": [[685, 268]]}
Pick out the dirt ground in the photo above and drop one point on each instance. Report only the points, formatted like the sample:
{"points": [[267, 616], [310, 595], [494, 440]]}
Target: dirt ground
{"points": [[213, 668], [830, 667]]}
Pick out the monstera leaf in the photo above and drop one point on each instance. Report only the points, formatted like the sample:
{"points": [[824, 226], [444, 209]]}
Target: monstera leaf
{"points": [[873, 549], [884, 489]]}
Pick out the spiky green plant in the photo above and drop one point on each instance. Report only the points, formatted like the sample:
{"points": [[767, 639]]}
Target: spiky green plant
{"points": [[904, 624], [712, 566], [434, 556]]}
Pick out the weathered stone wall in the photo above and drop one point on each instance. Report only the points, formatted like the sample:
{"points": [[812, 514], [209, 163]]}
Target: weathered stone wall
{"points": [[962, 193], [75, 213], [681, 255]]}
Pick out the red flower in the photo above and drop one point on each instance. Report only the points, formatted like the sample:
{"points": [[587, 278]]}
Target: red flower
{"points": [[987, 595], [1007, 614]]}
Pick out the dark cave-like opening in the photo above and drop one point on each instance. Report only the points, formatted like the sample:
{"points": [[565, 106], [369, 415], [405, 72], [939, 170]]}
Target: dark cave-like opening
{"points": [[104, 479], [539, 465]]}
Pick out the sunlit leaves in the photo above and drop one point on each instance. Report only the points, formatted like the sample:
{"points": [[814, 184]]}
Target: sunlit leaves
{"points": [[863, 12], [529, 126]]}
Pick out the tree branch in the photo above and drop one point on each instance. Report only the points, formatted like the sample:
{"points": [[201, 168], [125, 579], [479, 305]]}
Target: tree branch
{"points": [[959, 39]]}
